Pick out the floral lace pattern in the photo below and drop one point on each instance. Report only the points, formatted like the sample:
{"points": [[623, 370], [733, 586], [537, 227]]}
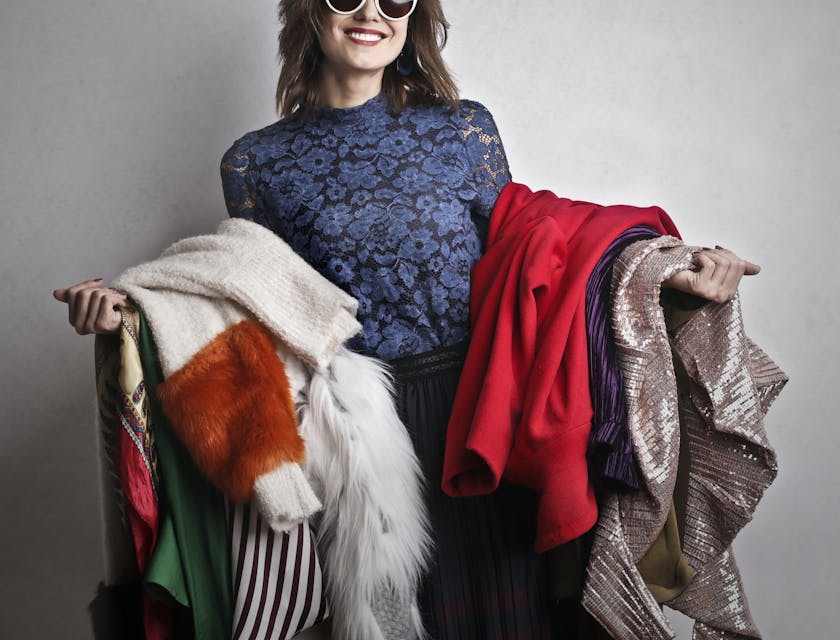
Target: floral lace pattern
{"points": [[390, 207]]}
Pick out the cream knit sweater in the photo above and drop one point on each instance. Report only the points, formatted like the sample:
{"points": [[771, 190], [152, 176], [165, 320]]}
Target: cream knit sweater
{"points": [[201, 285]]}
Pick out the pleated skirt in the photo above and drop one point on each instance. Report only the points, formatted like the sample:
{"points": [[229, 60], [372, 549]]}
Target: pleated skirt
{"points": [[485, 581]]}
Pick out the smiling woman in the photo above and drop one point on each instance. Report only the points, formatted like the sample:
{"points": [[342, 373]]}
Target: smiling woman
{"points": [[352, 48], [384, 181], [312, 29], [395, 214]]}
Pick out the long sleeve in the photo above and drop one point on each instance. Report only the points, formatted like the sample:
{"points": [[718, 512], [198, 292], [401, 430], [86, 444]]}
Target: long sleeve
{"points": [[486, 154], [237, 183]]}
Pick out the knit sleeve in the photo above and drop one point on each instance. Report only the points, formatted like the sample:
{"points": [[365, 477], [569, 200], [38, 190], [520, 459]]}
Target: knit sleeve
{"points": [[238, 184], [486, 156]]}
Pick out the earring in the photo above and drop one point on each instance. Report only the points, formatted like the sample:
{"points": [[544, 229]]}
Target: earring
{"points": [[405, 62]]}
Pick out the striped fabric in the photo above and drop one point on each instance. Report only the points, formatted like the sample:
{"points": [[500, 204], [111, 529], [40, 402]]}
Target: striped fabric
{"points": [[278, 589]]}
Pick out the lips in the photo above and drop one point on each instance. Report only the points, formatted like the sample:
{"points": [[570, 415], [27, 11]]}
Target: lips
{"points": [[365, 36]]}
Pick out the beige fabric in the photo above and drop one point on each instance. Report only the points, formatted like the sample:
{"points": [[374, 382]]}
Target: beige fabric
{"points": [[732, 384], [201, 285]]}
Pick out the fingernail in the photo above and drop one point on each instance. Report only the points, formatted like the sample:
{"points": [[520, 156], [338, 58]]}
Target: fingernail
{"points": [[97, 279]]}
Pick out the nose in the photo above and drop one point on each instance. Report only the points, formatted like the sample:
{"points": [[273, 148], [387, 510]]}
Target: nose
{"points": [[367, 11]]}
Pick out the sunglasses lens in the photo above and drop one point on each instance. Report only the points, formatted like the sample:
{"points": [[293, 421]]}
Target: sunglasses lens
{"points": [[391, 9], [345, 6], [396, 9]]}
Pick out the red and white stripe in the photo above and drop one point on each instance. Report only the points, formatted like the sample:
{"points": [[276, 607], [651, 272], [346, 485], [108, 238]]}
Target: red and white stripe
{"points": [[277, 582]]}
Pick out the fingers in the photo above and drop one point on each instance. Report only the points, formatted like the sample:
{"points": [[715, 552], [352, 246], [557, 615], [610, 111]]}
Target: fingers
{"points": [[706, 269], [717, 286], [78, 306], [91, 307], [76, 297], [720, 273], [750, 268], [101, 317], [681, 281]]}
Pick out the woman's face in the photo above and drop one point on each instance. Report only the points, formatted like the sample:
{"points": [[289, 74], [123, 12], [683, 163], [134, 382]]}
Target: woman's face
{"points": [[361, 42]]}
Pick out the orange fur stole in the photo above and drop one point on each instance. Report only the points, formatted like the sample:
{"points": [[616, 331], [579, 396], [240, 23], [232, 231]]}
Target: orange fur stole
{"points": [[232, 408]]}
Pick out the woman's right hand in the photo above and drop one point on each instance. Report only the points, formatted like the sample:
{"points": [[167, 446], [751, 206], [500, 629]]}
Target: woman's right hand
{"points": [[93, 308]]}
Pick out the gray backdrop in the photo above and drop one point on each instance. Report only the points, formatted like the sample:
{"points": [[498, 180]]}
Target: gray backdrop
{"points": [[114, 116]]}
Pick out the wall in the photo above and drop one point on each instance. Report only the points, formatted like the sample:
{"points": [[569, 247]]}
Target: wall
{"points": [[114, 118]]}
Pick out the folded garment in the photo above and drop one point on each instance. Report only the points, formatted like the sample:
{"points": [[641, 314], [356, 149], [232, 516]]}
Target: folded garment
{"points": [[217, 304], [523, 408], [732, 384], [221, 308]]}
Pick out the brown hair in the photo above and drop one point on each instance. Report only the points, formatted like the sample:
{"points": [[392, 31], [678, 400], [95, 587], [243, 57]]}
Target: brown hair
{"points": [[300, 56]]}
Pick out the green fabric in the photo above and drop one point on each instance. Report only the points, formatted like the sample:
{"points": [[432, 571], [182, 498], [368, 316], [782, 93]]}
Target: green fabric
{"points": [[664, 568], [165, 577], [190, 564]]}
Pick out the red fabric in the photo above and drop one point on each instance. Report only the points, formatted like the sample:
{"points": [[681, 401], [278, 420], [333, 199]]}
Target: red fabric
{"points": [[141, 510], [522, 409]]}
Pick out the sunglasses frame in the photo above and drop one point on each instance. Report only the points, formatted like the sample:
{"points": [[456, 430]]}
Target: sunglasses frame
{"points": [[378, 9]]}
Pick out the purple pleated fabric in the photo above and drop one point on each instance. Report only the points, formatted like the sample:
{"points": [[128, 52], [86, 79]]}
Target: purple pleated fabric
{"points": [[611, 461]]}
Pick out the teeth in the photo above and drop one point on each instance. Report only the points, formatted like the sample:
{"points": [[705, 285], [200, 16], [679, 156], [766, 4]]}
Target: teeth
{"points": [[364, 36]]}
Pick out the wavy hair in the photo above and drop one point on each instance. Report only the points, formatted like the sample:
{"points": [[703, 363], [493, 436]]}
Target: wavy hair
{"points": [[300, 56]]}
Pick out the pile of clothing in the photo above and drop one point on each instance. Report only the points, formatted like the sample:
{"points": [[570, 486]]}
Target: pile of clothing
{"points": [[258, 479], [237, 359]]}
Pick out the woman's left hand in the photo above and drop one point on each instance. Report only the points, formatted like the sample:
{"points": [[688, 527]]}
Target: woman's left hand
{"points": [[717, 275]]}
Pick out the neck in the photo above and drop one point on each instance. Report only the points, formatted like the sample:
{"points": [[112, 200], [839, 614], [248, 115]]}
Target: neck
{"points": [[341, 90]]}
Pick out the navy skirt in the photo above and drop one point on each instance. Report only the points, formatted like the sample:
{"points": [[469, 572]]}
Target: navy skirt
{"points": [[485, 581]]}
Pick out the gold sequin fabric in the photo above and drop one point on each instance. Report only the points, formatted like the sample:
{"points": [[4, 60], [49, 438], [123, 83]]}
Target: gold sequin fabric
{"points": [[732, 384]]}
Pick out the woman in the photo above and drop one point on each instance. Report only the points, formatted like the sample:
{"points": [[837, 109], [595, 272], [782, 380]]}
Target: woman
{"points": [[383, 181]]}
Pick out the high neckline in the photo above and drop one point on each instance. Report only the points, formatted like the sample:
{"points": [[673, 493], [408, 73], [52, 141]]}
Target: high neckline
{"points": [[375, 105]]}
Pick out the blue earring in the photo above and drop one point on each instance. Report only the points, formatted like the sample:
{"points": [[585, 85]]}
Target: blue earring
{"points": [[405, 63]]}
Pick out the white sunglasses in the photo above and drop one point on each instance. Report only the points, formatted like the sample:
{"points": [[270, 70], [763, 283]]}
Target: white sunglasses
{"points": [[388, 9]]}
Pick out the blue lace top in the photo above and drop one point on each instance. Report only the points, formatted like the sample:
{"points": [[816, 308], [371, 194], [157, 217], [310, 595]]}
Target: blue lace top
{"points": [[390, 207]]}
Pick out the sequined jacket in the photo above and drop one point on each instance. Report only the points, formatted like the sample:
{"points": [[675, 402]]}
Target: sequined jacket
{"points": [[732, 383]]}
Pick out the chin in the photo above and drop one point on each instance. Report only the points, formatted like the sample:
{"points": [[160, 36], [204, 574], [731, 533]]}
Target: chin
{"points": [[363, 64]]}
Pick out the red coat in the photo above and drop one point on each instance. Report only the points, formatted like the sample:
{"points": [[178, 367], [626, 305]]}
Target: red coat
{"points": [[522, 409]]}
